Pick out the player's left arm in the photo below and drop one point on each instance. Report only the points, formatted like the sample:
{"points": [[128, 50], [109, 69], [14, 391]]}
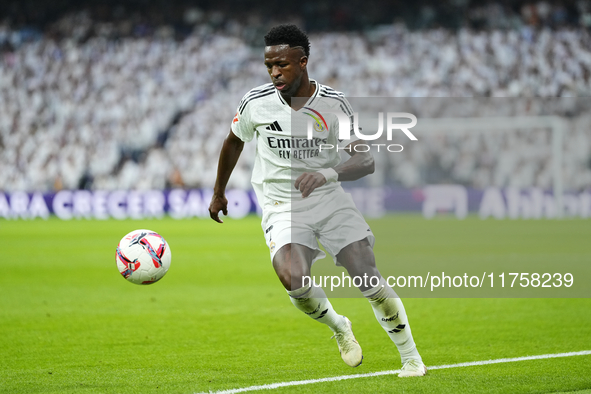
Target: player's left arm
{"points": [[357, 166]]}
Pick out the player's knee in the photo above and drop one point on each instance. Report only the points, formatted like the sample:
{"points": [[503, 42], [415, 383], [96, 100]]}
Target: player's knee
{"points": [[284, 275], [291, 272], [292, 277], [358, 259]]}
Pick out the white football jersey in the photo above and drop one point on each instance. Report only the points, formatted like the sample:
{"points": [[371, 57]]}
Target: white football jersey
{"points": [[284, 151]]}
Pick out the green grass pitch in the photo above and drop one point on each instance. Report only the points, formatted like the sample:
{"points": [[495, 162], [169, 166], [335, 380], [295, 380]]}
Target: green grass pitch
{"points": [[69, 323]]}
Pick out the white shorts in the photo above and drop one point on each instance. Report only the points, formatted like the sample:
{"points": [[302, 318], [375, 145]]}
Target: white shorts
{"points": [[331, 219]]}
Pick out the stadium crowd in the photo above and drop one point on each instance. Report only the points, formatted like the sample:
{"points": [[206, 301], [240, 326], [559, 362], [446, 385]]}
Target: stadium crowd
{"points": [[116, 110]]}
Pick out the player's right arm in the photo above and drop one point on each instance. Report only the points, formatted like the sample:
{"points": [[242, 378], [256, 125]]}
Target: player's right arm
{"points": [[231, 149], [242, 130]]}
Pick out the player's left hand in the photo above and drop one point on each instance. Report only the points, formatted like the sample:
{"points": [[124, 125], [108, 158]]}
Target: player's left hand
{"points": [[308, 181]]}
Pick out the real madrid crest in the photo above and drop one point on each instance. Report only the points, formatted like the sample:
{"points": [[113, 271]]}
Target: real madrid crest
{"points": [[318, 122], [318, 127]]}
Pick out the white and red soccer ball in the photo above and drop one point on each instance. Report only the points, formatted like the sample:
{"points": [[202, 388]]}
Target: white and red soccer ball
{"points": [[143, 257]]}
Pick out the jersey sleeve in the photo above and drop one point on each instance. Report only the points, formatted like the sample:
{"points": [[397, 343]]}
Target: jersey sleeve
{"points": [[346, 108], [242, 126]]}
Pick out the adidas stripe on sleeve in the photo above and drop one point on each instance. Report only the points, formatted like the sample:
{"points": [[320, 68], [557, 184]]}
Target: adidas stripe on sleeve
{"points": [[242, 125], [343, 104]]}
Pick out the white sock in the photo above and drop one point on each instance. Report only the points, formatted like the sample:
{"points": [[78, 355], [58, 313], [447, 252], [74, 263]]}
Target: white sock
{"points": [[391, 315], [313, 302]]}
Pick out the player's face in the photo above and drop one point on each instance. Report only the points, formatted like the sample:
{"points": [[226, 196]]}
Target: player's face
{"points": [[285, 66]]}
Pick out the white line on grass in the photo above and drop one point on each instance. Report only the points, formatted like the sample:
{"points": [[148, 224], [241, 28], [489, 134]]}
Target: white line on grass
{"points": [[272, 386]]}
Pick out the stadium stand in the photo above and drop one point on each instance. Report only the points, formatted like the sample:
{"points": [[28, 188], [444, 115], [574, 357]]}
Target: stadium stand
{"points": [[132, 102]]}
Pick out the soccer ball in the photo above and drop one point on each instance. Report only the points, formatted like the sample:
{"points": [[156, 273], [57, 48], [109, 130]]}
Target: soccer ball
{"points": [[143, 257]]}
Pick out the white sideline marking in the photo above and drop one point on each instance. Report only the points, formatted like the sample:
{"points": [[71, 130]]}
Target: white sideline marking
{"points": [[272, 386]]}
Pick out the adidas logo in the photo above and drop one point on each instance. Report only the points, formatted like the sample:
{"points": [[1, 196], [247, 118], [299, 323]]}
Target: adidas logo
{"points": [[274, 126], [398, 328], [322, 314]]}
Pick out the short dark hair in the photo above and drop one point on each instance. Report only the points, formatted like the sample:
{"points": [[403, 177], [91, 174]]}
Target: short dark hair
{"points": [[288, 35]]}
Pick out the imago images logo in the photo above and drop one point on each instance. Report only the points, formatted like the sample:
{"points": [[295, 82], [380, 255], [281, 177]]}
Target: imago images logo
{"points": [[345, 129]]}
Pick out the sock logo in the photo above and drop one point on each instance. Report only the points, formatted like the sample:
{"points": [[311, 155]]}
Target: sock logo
{"points": [[398, 328], [322, 314], [274, 126], [391, 318], [315, 310]]}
